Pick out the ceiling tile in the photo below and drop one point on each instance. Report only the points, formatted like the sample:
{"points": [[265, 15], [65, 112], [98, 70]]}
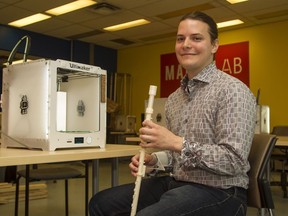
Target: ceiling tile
{"points": [[69, 30], [11, 13], [47, 26], [40, 6], [8, 1], [164, 15]]}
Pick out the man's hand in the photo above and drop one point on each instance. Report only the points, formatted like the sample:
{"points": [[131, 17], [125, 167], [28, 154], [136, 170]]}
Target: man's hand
{"points": [[149, 160], [155, 136]]}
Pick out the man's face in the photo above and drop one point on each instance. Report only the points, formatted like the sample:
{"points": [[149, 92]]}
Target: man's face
{"points": [[193, 48]]}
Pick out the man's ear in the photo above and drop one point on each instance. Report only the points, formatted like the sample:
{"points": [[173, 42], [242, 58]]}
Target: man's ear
{"points": [[215, 46]]}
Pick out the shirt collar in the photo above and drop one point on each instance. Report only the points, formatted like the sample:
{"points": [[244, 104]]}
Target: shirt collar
{"points": [[207, 75]]}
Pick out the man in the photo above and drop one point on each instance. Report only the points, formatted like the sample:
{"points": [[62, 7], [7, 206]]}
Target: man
{"points": [[210, 126]]}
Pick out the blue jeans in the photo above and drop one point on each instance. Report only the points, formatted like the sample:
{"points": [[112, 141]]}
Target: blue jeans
{"points": [[165, 196]]}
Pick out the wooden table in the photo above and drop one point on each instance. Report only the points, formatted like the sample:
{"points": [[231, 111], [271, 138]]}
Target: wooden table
{"points": [[282, 141], [120, 136], [133, 139], [14, 157]]}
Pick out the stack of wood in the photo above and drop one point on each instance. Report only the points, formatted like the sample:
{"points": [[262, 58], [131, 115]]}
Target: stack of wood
{"points": [[36, 191]]}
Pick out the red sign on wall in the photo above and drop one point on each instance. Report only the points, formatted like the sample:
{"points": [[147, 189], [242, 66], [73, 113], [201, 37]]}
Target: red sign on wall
{"points": [[231, 58]]}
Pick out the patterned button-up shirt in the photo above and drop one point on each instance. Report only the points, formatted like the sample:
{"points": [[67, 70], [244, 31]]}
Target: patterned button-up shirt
{"points": [[215, 113]]}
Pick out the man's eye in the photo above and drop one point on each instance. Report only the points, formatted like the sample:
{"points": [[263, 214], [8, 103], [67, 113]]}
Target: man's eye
{"points": [[180, 39], [197, 38]]}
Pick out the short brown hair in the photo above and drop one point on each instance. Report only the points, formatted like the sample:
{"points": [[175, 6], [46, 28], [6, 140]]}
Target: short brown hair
{"points": [[197, 15]]}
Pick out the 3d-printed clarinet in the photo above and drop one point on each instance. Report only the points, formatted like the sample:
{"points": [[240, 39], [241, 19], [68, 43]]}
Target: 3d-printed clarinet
{"points": [[142, 167]]}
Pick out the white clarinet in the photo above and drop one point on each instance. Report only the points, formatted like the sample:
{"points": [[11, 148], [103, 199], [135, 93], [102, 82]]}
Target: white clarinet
{"points": [[142, 167]]}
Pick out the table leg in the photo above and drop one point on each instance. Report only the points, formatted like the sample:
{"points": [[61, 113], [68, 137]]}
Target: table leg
{"points": [[115, 172], [27, 190], [86, 187], [95, 176]]}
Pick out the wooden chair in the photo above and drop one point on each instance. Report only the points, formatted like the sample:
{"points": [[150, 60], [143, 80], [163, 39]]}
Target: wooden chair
{"points": [[50, 173], [282, 156], [259, 193]]}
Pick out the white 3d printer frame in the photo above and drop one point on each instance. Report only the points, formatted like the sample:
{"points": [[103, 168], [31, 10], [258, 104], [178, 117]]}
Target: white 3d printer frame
{"points": [[51, 105]]}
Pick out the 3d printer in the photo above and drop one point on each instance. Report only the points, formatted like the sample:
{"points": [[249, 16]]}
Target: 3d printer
{"points": [[49, 105]]}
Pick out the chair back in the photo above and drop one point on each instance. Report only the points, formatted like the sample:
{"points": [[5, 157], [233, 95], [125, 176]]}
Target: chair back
{"points": [[259, 157]]}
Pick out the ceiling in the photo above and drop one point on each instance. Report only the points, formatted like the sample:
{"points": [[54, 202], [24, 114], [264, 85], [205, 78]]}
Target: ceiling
{"points": [[87, 24]]}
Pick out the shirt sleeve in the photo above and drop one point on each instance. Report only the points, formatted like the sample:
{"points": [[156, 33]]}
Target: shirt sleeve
{"points": [[164, 161], [191, 154], [233, 132]]}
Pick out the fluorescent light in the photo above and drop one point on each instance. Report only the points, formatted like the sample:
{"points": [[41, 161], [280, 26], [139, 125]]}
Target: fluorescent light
{"points": [[29, 20], [236, 1], [229, 23], [70, 7], [127, 25]]}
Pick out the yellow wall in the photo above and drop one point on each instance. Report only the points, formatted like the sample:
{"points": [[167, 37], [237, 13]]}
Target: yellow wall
{"points": [[268, 47]]}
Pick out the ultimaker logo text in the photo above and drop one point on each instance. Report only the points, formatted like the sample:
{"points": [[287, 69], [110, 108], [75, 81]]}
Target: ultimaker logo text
{"points": [[79, 67]]}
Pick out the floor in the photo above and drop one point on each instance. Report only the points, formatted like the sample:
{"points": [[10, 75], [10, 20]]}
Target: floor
{"points": [[54, 204]]}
